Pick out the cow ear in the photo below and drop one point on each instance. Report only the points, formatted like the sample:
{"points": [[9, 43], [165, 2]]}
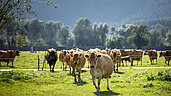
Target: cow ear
{"points": [[98, 56], [86, 56]]}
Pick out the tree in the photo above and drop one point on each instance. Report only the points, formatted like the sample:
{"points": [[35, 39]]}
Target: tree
{"points": [[82, 32], [63, 35], [140, 36], [16, 9], [168, 39], [156, 40], [20, 41], [114, 41]]}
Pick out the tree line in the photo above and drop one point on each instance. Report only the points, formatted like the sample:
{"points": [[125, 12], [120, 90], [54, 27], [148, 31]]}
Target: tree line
{"points": [[36, 33]]}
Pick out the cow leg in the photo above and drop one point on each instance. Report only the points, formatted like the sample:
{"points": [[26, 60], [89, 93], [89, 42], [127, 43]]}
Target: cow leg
{"points": [[132, 63], [63, 65], [69, 69], [137, 62], [12, 64], [79, 76], [98, 89], [50, 67], [123, 63], [53, 67], [94, 82], [0, 63], [168, 62], [117, 67], [114, 68], [151, 61], [7, 62], [75, 78], [108, 84]]}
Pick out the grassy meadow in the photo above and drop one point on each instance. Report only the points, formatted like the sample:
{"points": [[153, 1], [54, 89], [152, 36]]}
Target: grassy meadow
{"points": [[126, 82], [28, 60]]}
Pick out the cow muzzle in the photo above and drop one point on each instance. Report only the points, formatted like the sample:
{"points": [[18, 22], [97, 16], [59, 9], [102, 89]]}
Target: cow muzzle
{"points": [[75, 63], [92, 66]]}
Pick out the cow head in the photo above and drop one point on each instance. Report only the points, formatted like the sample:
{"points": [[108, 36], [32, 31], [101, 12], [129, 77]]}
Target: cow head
{"points": [[52, 55], [92, 57], [17, 52], [76, 57]]}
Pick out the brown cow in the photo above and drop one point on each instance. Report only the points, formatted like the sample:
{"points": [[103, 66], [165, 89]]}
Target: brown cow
{"points": [[101, 66], [136, 55], [61, 58], [152, 55], [77, 62], [7, 56], [125, 55], [116, 57], [166, 55], [67, 60], [51, 58]]}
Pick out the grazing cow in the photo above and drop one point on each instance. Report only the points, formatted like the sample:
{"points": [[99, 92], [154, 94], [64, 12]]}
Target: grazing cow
{"points": [[101, 66], [166, 55], [152, 55], [116, 57], [77, 62], [51, 58], [7, 56], [61, 58], [136, 55], [125, 55]]}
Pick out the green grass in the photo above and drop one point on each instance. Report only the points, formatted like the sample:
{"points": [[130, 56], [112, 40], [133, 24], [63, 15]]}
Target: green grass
{"points": [[146, 82], [28, 60]]}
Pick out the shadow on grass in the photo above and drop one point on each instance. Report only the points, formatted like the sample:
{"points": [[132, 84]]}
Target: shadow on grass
{"points": [[119, 72], [81, 83], [106, 93]]}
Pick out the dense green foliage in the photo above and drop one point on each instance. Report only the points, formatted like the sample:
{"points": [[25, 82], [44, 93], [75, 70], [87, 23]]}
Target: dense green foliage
{"points": [[84, 35]]}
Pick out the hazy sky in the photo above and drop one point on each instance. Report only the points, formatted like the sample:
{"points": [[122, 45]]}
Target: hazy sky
{"points": [[109, 11]]}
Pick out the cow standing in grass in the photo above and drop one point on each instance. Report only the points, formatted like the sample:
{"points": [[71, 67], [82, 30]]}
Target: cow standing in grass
{"points": [[101, 66], [166, 55], [152, 55], [51, 58], [77, 62], [7, 56]]}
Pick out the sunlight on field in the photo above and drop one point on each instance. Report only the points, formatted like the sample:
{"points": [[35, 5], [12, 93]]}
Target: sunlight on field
{"points": [[28, 60], [147, 82]]}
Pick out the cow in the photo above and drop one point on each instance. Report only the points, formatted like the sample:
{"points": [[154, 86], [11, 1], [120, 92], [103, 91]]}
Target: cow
{"points": [[152, 55], [77, 62], [101, 66], [125, 55], [61, 58], [116, 57], [7, 56], [51, 58], [67, 60], [166, 55], [136, 55]]}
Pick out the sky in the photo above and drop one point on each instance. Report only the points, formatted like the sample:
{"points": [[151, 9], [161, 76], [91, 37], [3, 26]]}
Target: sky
{"points": [[111, 12]]}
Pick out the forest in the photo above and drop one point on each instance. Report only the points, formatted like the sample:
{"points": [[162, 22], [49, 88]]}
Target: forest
{"points": [[37, 34]]}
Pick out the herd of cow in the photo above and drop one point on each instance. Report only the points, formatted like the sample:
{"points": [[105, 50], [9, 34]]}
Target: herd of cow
{"points": [[102, 62]]}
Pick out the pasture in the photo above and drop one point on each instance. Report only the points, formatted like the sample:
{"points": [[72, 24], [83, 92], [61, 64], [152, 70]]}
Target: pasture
{"points": [[28, 60], [147, 82]]}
